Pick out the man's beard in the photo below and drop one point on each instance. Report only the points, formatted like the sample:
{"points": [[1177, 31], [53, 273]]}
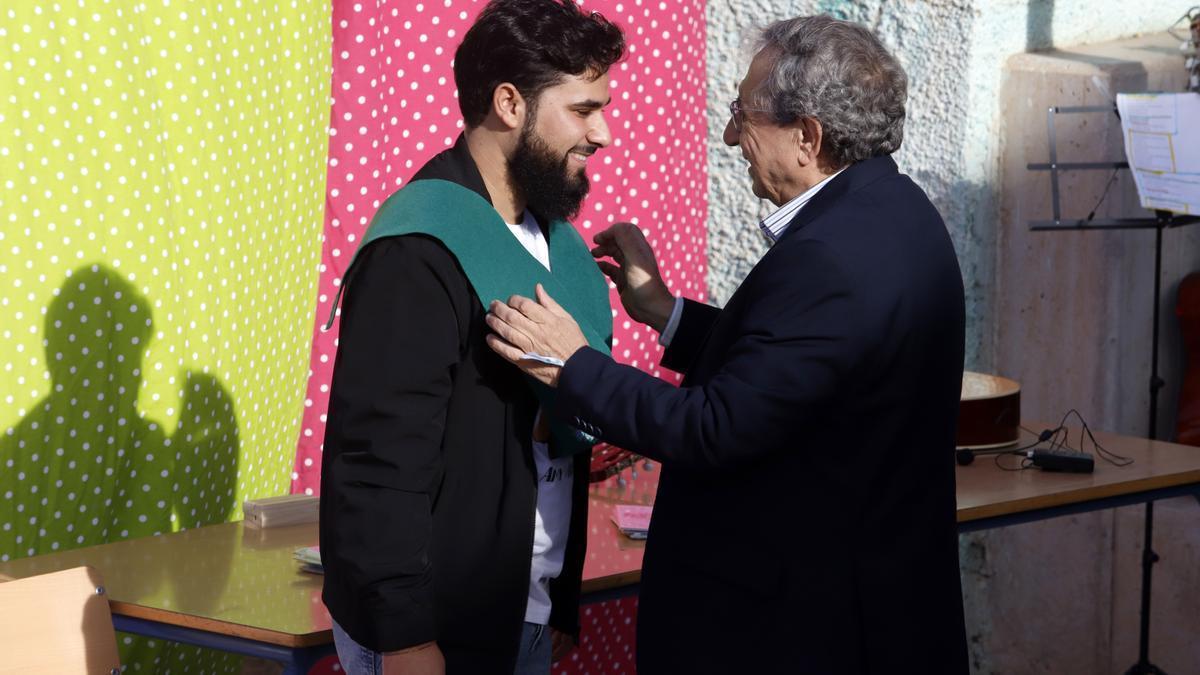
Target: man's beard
{"points": [[549, 190]]}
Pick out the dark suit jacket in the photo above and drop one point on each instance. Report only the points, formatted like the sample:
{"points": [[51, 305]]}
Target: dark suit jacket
{"points": [[805, 519], [428, 486]]}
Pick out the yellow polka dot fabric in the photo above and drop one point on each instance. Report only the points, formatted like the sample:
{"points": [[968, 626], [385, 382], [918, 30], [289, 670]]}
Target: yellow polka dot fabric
{"points": [[162, 182]]}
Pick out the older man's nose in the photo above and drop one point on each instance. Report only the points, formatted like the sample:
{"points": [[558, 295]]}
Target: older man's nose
{"points": [[731, 135]]}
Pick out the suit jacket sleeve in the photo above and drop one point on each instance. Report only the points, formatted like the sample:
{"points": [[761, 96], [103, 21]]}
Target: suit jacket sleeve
{"points": [[694, 323], [398, 347], [794, 342]]}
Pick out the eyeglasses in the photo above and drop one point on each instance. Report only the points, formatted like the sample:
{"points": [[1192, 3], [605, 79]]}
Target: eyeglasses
{"points": [[737, 112]]}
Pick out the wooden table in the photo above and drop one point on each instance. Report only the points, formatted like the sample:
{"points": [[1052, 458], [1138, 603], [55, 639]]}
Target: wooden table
{"points": [[223, 587], [237, 589], [990, 497]]}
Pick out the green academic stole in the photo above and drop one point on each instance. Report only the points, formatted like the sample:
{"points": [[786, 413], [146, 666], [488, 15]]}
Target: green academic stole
{"points": [[498, 266]]}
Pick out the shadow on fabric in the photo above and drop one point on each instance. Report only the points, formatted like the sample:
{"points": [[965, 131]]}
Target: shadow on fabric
{"points": [[86, 467]]}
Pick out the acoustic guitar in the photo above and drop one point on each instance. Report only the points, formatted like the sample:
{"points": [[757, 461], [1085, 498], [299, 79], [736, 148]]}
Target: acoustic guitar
{"points": [[989, 412], [1187, 307]]}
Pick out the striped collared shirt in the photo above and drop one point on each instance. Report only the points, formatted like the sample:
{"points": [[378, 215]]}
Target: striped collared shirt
{"points": [[774, 225]]}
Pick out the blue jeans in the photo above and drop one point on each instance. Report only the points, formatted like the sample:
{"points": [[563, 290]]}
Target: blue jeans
{"points": [[355, 658], [533, 657]]}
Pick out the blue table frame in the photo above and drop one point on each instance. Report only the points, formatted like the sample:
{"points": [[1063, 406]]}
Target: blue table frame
{"points": [[295, 660], [1102, 504]]}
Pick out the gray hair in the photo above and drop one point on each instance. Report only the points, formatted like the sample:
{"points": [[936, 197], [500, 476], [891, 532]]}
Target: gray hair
{"points": [[840, 74]]}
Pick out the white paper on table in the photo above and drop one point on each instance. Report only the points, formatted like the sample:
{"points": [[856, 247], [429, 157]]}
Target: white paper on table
{"points": [[1162, 145]]}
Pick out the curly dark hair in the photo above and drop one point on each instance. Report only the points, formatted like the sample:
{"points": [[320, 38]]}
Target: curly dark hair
{"points": [[532, 44]]}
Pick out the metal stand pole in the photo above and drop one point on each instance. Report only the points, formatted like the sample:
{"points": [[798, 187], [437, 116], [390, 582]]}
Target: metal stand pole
{"points": [[1144, 666]]}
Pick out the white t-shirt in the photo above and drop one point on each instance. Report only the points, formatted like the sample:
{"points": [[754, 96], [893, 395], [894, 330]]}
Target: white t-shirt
{"points": [[553, 518]]}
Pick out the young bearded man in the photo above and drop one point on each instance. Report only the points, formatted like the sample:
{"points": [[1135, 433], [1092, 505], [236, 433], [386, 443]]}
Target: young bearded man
{"points": [[452, 511]]}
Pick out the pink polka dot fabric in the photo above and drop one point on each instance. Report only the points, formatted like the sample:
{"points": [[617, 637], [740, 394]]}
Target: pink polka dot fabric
{"points": [[607, 640], [394, 106]]}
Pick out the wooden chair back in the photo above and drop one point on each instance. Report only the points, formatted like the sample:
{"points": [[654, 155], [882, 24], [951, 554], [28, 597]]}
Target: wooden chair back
{"points": [[57, 623]]}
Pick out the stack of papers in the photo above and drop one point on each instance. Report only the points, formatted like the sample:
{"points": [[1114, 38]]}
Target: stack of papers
{"points": [[633, 521], [1162, 143], [309, 558]]}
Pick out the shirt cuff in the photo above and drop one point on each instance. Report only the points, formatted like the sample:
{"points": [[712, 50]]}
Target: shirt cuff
{"points": [[668, 333]]}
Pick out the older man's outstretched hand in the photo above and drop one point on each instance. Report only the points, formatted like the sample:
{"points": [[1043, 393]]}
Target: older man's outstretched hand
{"points": [[539, 328], [643, 293]]}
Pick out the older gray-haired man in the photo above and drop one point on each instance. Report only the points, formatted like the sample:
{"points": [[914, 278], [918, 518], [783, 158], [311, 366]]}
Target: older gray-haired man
{"points": [[805, 522]]}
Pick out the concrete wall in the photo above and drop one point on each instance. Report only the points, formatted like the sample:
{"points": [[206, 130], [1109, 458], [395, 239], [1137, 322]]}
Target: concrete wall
{"points": [[1065, 313], [1071, 320]]}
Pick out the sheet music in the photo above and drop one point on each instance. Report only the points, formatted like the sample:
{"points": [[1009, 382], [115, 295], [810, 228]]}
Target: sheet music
{"points": [[1162, 145]]}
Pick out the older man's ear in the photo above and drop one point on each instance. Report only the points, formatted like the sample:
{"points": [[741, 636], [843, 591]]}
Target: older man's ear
{"points": [[811, 135]]}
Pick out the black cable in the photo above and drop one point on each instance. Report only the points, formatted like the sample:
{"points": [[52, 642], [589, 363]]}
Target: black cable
{"points": [[1116, 460], [1024, 464], [1103, 195], [965, 456], [1045, 435], [1104, 453], [1058, 438]]}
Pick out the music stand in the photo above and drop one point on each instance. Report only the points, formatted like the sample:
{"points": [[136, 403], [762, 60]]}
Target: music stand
{"points": [[1162, 220]]}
